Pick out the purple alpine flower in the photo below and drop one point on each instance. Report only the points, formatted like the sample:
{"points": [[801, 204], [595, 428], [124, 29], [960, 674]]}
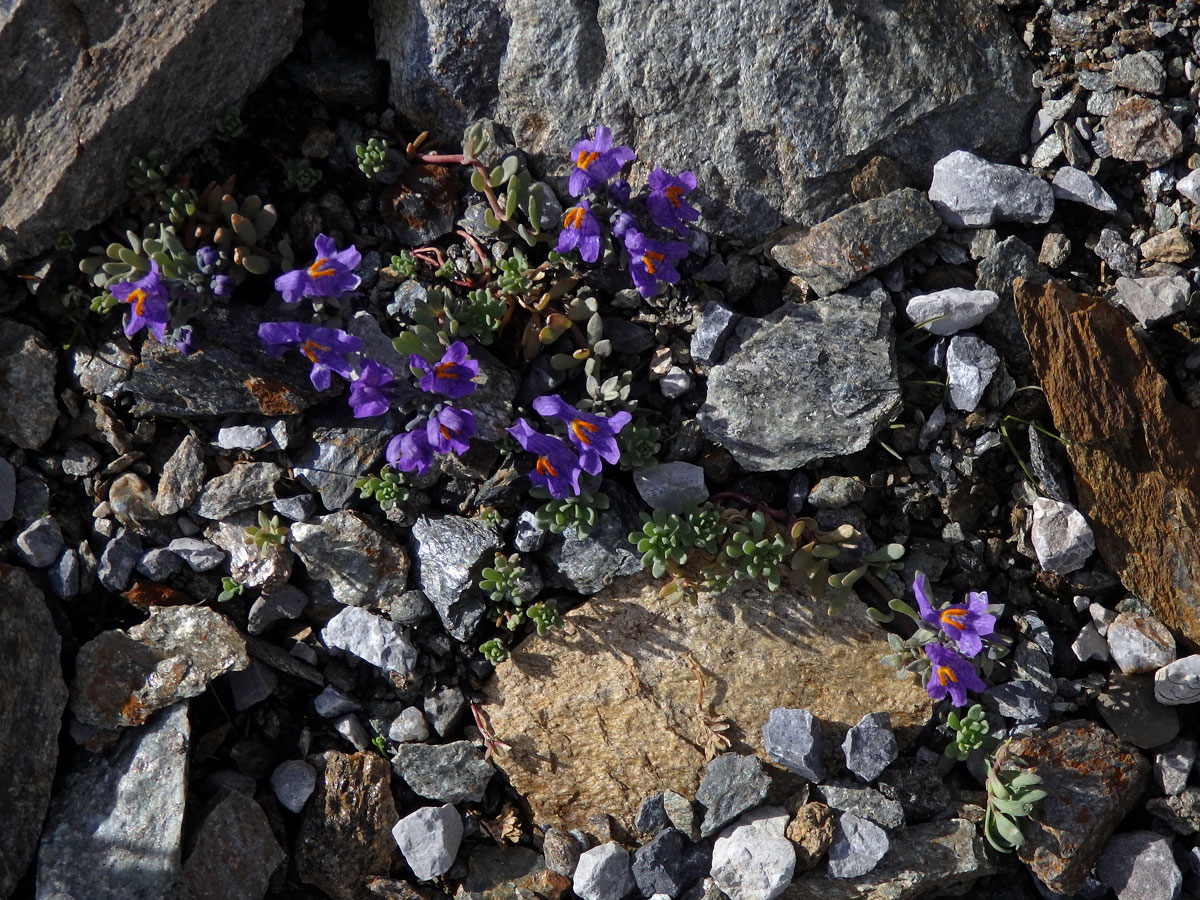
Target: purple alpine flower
{"points": [[619, 191], [325, 348], [369, 395], [623, 223], [965, 624], [147, 299], [207, 259], [652, 261], [596, 161], [666, 205], [410, 451], [951, 674], [330, 276], [449, 430], [580, 229], [186, 344], [451, 377], [594, 437], [556, 469], [222, 285]]}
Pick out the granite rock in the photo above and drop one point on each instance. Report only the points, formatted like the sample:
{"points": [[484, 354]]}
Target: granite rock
{"points": [[448, 773]]}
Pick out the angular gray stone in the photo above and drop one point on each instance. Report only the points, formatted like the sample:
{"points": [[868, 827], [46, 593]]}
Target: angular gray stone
{"points": [[1178, 683], [32, 699], [1139, 865], [80, 459], [444, 708], [337, 456], [869, 746], [1189, 186], [1116, 251], [561, 851], [1128, 706], [806, 382], [293, 782], [182, 477], [1140, 72], [331, 703], [858, 846], [587, 566], [971, 364], [268, 568], [159, 78], [41, 543], [409, 726], [671, 486], [374, 639], [27, 359], [115, 828], [102, 370], [752, 859], [201, 556], [286, 602], [233, 854], [836, 492], [970, 192], [8, 489], [1060, 535], [731, 785], [244, 486], [864, 802], [1022, 701], [1074, 184], [1174, 764], [300, 508], [429, 839], [716, 324], [917, 786], [252, 685], [448, 773], [792, 738], [450, 552], [349, 561], [675, 383], [1140, 643], [243, 437], [1153, 298], [117, 562], [811, 116], [952, 310], [1141, 130], [603, 873], [854, 243], [66, 574], [160, 564]]}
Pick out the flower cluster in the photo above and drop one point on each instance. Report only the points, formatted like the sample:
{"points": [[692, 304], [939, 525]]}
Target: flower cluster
{"points": [[443, 428], [651, 259], [591, 442], [964, 625]]}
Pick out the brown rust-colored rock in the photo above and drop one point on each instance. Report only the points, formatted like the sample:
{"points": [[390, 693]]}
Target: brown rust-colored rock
{"points": [[602, 713], [1092, 779], [1133, 446], [346, 835]]}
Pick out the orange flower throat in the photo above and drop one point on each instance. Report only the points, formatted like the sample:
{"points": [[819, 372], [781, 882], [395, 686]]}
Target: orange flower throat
{"points": [[543, 467], [574, 218], [586, 159], [674, 192], [316, 270], [137, 299], [310, 347], [445, 370], [583, 430], [651, 260]]}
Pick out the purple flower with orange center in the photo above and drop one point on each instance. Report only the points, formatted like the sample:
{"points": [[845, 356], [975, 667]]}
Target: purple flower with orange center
{"points": [[596, 161], [557, 468], [594, 437], [330, 276], [580, 229], [951, 674], [666, 205], [410, 451], [965, 624], [452, 376], [372, 393], [325, 348], [147, 299], [449, 430], [652, 261]]}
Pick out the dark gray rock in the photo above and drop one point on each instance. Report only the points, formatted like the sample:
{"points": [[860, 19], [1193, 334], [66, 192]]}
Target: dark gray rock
{"points": [[374, 639], [448, 773], [331, 702], [252, 685], [1181, 812], [117, 562], [102, 370], [792, 738], [864, 802], [245, 485], [80, 459], [917, 787], [731, 785], [201, 556], [589, 565], [858, 845], [115, 827], [1139, 865], [1116, 251], [854, 243], [1173, 765], [41, 543], [1022, 701], [652, 816], [870, 747], [349, 561], [160, 564], [682, 814], [182, 477], [970, 192], [234, 852], [27, 359], [8, 489], [232, 376], [1075, 184], [836, 492], [172, 87], [561, 851], [445, 708], [716, 324], [450, 551], [66, 575], [300, 508], [658, 865], [337, 456], [671, 486], [286, 602], [409, 608], [811, 116], [1008, 260], [1129, 708], [808, 381], [293, 782], [32, 699]]}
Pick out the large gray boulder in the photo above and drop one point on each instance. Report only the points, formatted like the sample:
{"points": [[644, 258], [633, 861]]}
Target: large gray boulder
{"points": [[772, 104], [87, 90]]}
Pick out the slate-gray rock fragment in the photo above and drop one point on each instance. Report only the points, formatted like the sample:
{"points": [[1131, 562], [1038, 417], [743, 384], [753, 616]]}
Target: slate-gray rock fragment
{"points": [[338, 455], [182, 477], [448, 773], [1153, 298], [716, 324], [27, 359], [1116, 251], [201, 556], [429, 839], [234, 853], [32, 699], [589, 565], [869, 746], [1060, 535], [1140, 643], [117, 562], [970, 192], [115, 827], [1139, 865], [864, 802], [41, 543], [374, 639], [603, 873], [858, 845], [731, 785], [792, 738], [806, 382], [1128, 707], [671, 486], [658, 865], [951, 310], [349, 561], [8, 489], [1074, 184], [244, 486], [854, 243], [450, 552], [293, 782]]}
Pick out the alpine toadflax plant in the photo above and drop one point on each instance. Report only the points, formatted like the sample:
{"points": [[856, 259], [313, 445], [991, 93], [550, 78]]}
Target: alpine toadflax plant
{"points": [[325, 348], [147, 299], [330, 275]]}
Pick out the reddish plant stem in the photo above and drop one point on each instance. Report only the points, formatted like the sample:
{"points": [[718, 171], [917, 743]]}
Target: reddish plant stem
{"points": [[750, 501], [470, 239]]}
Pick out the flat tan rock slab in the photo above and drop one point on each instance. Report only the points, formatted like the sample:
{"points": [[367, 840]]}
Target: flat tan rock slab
{"points": [[602, 713], [1131, 443]]}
